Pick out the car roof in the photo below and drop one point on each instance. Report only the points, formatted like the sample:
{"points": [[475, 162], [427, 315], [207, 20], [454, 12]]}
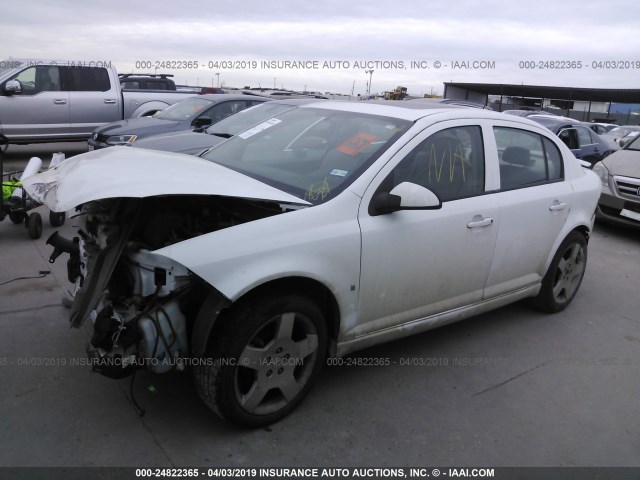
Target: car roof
{"points": [[413, 111], [296, 101], [217, 97], [415, 103]]}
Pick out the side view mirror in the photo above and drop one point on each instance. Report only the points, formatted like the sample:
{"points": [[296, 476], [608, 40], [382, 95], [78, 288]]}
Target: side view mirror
{"points": [[406, 196], [201, 122], [12, 87]]}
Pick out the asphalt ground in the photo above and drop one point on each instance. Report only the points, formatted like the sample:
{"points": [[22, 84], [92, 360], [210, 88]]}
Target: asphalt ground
{"points": [[514, 387]]}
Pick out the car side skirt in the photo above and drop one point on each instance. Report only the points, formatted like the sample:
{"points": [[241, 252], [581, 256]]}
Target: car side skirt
{"points": [[434, 321]]}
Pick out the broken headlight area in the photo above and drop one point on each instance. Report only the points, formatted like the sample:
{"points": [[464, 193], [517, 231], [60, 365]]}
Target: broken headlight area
{"points": [[143, 305]]}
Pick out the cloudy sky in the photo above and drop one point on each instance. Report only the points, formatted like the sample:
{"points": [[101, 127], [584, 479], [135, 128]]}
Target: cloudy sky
{"points": [[338, 40]]}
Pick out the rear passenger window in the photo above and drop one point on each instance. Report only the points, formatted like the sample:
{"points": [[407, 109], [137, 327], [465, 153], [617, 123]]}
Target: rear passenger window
{"points": [[130, 85], [88, 79], [526, 158], [450, 163]]}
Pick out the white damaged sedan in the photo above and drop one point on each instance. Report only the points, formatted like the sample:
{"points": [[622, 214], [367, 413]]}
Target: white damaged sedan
{"points": [[323, 230]]}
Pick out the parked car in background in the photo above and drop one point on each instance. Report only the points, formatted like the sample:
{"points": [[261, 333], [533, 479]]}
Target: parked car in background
{"points": [[326, 229], [55, 101], [194, 112], [620, 176], [583, 142], [617, 134], [602, 128], [194, 142]]}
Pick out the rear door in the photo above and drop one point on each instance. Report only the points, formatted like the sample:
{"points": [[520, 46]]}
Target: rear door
{"points": [[41, 110], [93, 99], [534, 205]]}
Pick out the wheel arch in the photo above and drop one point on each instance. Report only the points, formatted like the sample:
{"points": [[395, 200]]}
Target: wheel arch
{"points": [[583, 229], [217, 303], [148, 108]]}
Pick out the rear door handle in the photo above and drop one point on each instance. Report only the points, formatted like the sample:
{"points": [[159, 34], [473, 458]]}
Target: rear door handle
{"points": [[109, 100], [478, 222], [60, 101], [556, 206]]}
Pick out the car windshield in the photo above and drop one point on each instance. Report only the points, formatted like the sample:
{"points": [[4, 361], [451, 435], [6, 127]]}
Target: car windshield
{"points": [[185, 110], [246, 118], [311, 153], [634, 144]]}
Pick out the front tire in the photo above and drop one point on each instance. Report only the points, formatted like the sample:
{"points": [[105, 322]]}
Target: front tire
{"points": [[563, 279], [262, 359]]}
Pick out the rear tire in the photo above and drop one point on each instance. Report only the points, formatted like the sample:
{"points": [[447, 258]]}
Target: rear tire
{"points": [[563, 279], [262, 359]]}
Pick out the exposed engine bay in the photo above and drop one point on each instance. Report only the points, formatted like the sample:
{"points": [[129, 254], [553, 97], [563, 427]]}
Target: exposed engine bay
{"points": [[142, 304]]}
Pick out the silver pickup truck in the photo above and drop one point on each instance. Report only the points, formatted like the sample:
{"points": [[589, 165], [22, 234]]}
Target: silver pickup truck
{"points": [[51, 101]]}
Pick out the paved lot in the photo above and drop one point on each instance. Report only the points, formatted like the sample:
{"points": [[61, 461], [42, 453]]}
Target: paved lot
{"points": [[510, 388]]}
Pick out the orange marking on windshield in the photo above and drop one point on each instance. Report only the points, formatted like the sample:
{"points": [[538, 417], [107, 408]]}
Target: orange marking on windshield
{"points": [[357, 143]]}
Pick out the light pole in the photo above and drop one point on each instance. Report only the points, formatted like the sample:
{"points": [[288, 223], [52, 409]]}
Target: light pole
{"points": [[274, 83], [370, 72], [218, 82]]}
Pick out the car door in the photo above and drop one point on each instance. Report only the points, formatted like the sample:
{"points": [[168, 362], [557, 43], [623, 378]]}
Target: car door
{"points": [[569, 137], [534, 203], [93, 101], [589, 146], [417, 263], [41, 109]]}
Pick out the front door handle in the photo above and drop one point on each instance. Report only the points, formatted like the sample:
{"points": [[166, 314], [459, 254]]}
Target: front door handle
{"points": [[60, 101], [109, 101], [478, 221], [557, 206]]}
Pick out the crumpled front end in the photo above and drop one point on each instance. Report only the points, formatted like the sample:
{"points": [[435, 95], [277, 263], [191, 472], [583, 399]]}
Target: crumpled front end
{"points": [[143, 305]]}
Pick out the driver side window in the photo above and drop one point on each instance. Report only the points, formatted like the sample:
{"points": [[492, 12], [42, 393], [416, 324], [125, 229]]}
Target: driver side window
{"points": [[39, 79], [450, 163]]}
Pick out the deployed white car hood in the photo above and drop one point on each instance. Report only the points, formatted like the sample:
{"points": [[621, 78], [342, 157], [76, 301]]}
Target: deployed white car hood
{"points": [[127, 172]]}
